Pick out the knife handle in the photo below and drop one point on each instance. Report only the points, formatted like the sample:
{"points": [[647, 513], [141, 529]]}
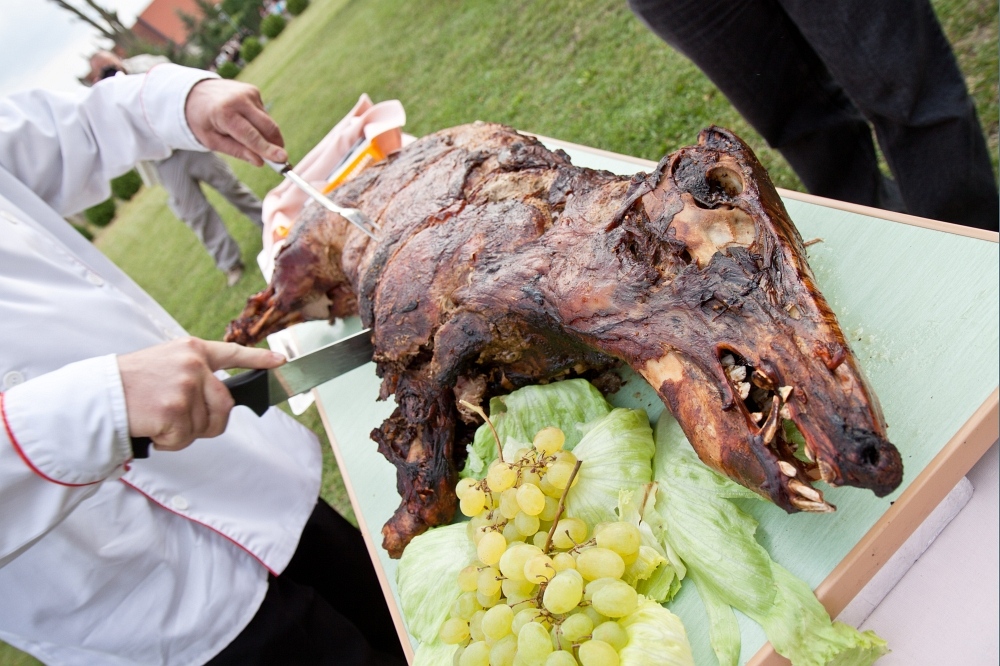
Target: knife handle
{"points": [[247, 388]]}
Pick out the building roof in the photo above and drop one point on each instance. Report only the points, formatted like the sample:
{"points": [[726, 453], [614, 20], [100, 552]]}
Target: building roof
{"points": [[162, 19]]}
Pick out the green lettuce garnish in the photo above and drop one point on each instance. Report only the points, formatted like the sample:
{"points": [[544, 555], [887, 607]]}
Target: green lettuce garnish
{"points": [[715, 540], [426, 578], [570, 405], [617, 454], [434, 654], [656, 637]]}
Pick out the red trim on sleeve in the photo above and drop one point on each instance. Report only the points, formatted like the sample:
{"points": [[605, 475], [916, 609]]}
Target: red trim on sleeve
{"points": [[24, 457], [205, 525]]}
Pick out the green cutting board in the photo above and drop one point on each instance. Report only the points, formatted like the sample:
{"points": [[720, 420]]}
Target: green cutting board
{"points": [[920, 309]]}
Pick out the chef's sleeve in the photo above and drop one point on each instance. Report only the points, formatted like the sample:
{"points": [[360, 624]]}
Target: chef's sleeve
{"points": [[66, 147], [53, 459]]}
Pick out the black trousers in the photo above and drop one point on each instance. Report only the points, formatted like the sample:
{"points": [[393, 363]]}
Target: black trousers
{"points": [[326, 608], [810, 76]]}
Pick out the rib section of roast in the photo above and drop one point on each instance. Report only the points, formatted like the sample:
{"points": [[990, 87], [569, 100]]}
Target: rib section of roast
{"points": [[500, 264]]}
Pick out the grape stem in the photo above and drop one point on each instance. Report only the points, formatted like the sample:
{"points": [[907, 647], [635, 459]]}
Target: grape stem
{"points": [[479, 410], [562, 505]]}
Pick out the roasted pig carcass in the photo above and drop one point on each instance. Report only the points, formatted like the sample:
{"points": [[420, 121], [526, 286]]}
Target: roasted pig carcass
{"points": [[500, 264]]}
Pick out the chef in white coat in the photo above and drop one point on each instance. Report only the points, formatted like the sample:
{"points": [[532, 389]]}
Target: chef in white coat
{"points": [[194, 554]]}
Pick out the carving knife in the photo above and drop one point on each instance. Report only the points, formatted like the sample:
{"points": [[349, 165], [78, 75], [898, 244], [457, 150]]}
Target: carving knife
{"points": [[259, 389]]}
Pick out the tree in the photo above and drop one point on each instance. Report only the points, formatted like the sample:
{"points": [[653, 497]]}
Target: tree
{"points": [[208, 32], [105, 21]]}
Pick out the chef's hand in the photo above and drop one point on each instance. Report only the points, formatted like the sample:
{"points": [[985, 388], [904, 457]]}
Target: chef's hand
{"points": [[171, 395], [229, 116]]}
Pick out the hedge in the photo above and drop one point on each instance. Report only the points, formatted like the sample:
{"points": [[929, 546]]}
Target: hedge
{"points": [[272, 25]]}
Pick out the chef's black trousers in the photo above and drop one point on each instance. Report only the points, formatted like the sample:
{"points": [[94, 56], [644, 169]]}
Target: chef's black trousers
{"points": [[327, 607], [811, 75]]}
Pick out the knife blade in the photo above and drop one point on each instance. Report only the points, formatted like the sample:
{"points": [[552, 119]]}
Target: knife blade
{"points": [[352, 215], [259, 389]]}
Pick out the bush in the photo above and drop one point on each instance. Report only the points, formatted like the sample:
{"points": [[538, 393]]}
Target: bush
{"points": [[228, 70], [126, 185], [84, 231], [296, 7], [101, 214], [272, 25], [251, 49]]}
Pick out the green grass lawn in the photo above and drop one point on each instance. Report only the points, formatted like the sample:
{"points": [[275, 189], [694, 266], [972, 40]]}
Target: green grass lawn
{"points": [[580, 70]]}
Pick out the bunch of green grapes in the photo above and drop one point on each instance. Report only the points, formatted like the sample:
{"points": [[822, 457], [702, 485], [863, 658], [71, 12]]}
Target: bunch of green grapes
{"points": [[543, 591]]}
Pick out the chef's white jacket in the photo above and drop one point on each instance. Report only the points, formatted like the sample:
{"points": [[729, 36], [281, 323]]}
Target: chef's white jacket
{"points": [[104, 559]]}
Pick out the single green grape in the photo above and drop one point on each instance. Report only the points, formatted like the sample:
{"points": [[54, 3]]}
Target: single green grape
{"points": [[491, 547], [463, 486], [558, 475], [569, 532], [476, 626], [523, 617], [549, 440], [616, 599], [454, 631], [465, 606], [564, 592], [548, 513], [563, 561], [623, 538], [503, 651], [597, 562], [472, 502], [468, 578], [476, 654], [533, 643], [514, 558], [500, 477], [526, 524], [488, 583], [539, 569], [611, 633], [508, 504], [597, 653], [560, 658], [497, 620], [531, 499], [576, 626]]}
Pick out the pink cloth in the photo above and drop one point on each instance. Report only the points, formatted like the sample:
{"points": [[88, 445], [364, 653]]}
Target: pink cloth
{"points": [[283, 204]]}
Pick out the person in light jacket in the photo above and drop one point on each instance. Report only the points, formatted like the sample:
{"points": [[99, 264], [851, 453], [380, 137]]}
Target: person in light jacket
{"points": [[182, 174], [213, 549]]}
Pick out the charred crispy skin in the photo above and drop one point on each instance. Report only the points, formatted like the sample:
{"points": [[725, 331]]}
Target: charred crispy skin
{"points": [[500, 264]]}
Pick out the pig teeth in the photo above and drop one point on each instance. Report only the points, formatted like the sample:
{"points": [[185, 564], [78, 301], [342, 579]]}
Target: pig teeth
{"points": [[770, 428], [785, 412], [744, 389], [757, 417], [784, 392], [787, 468], [814, 507], [807, 452], [761, 380], [804, 490], [826, 472], [728, 360], [737, 373]]}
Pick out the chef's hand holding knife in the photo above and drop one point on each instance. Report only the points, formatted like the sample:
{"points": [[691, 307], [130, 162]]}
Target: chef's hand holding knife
{"points": [[171, 393]]}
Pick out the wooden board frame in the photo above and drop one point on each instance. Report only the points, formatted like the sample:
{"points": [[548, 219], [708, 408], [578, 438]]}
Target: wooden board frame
{"points": [[930, 487]]}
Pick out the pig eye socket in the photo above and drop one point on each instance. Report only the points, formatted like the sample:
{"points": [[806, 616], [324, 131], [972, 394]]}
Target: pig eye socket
{"points": [[724, 180]]}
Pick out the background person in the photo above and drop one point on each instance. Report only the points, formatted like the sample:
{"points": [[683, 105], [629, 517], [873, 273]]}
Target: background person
{"points": [[214, 548], [182, 174], [810, 77]]}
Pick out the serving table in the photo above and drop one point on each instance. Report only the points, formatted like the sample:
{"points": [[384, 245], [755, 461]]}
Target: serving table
{"points": [[918, 301]]}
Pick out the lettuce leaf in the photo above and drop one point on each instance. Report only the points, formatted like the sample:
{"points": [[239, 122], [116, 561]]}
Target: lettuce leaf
{"points": [[434, 654], [570, 405], [716, 542], [656, 637], [426, 578], [617, 454]]}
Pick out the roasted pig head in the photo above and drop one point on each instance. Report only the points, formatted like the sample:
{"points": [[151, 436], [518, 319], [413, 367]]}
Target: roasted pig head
{"points": [[500, 264], [714, 304]]}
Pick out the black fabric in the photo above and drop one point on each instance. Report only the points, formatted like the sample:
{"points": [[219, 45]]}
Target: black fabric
{"points": [[814, 78], [327, 607]]}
